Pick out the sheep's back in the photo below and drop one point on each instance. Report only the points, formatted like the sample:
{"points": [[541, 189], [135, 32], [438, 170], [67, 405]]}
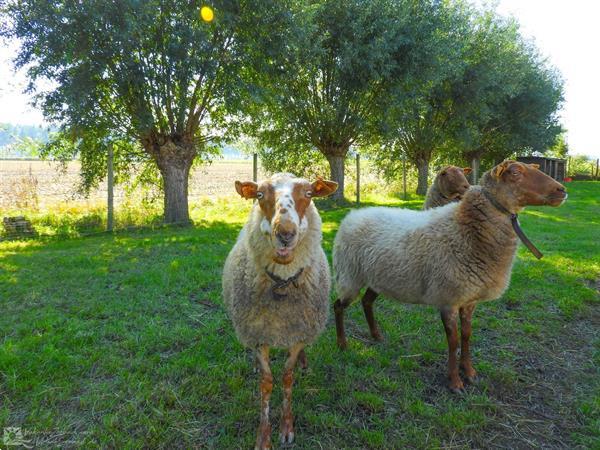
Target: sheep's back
{"points": [[410, 256]]}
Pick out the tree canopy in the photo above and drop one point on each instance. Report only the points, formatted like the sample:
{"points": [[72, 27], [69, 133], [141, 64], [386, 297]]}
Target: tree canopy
{"points": [[148, 72], [307, 79], [489, 96], [327, 94]]}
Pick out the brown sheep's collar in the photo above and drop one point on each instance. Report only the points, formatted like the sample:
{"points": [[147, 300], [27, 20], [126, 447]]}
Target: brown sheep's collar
{"points": [[280, 283], [514, 219]]}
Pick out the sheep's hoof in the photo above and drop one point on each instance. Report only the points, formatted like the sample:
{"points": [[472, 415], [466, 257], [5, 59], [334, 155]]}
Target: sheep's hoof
{"points": [[471, 378], [378, 336], [286, 437], [470, 374], [457, 387], [458, 391]]}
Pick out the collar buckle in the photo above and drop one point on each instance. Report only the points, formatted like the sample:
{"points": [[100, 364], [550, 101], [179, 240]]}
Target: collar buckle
{"points": [[280, 283]]}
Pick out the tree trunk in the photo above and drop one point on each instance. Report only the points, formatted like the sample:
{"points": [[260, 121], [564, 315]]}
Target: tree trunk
{"points": [[174, 161], [423, 171], [336, 164], [475, 163], [175, 181]]}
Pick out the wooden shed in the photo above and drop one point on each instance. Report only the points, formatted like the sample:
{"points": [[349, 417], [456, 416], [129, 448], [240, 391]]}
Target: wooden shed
{"points": [[555, 167]]}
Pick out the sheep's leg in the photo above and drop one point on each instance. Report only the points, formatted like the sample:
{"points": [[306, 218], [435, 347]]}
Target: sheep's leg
{"points": [[465, 333], [302, 360], [450, 319], [263, 435], [367, 302], [339, 306], [287, 419]]}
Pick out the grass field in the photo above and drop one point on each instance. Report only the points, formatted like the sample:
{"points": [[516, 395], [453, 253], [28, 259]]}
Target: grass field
{"points": [[121, 341]]}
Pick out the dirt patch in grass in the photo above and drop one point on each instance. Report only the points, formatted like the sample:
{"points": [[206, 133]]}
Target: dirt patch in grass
{"points": [[534, 396]]}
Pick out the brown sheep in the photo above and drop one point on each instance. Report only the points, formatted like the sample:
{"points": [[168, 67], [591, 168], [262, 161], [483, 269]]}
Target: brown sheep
{"points": [[276, 282], [451, 257], [449, 185]]}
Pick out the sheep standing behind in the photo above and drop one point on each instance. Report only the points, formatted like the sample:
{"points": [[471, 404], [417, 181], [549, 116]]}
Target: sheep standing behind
{"points": [[449, 185], [276, 282], [451, 257]]}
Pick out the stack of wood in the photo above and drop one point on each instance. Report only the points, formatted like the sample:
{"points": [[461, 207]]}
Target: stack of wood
{"points": [[18, 226]]}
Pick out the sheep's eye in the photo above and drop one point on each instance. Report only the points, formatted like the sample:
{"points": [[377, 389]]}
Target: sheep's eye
{"points": [[443, 174], [309, 194], [260, 195]]}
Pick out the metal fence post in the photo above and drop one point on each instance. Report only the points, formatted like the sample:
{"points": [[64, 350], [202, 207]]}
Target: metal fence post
{"points": [[255, 167]]}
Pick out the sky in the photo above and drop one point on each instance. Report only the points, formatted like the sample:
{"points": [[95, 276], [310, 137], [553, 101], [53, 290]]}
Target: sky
{"points": [[566, 32]]}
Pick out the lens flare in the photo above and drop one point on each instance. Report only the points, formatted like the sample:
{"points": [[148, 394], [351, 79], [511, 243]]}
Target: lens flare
{"points": [[207, 13]]}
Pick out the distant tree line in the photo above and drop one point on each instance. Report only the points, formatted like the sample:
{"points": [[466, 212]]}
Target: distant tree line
{"points": [[22, 141], [305, 81]]}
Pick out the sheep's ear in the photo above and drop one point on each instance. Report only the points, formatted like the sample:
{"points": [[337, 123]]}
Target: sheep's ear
{"points": [[246, 189], [535, 166], [501, 168], [467, 170], [323, 188], [513, 168]]}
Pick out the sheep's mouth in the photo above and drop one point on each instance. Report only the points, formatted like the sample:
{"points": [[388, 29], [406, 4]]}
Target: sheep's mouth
{"points": [[556, 200], [283, 254]]}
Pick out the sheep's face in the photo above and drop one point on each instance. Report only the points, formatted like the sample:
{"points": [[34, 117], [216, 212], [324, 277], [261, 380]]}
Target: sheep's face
{"points": [[452, 182], [529, 186], [283, 200]]}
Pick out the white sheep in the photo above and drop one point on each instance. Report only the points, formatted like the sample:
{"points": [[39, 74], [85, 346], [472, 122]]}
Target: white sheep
{"points": [[276, 282], [451, 257]]}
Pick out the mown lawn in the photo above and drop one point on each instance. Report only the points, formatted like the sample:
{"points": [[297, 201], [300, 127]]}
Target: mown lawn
{"points": [[121, 341]]}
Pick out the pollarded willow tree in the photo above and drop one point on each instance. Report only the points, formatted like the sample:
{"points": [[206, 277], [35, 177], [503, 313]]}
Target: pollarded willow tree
{"points": [[485, 93], [422, 112], [325, 92], [149, 72], [511, 95]]}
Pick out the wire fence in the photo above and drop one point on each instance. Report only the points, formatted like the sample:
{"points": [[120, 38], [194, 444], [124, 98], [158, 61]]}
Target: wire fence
{"points": [[42, 198]]}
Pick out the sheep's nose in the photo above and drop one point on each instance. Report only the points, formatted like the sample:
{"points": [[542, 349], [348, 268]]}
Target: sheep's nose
{"points": [[466, 187], [286, 236], [561, 189]]}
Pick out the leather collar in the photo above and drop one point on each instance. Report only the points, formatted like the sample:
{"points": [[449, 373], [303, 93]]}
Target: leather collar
{"points": [[280, 283], [514, 219]]}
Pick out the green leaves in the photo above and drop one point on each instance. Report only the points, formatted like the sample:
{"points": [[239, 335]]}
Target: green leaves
{"points": [[428, 77]]}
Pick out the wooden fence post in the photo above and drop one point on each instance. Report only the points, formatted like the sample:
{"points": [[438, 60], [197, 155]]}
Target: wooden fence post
{"points": [[110, 188], [255, 167], [357, 178], [597, 167], [404, 175], [475, 167]]}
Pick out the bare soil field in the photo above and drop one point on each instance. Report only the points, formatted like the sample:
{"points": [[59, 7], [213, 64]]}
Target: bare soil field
{"points": [[48, 182]]}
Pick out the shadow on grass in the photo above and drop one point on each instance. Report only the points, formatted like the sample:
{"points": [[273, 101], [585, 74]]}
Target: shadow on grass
{"points": [[122, 341]]}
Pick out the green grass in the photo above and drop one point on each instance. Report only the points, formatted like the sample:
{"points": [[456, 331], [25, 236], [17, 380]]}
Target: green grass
{"points": [[121, 341]]}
